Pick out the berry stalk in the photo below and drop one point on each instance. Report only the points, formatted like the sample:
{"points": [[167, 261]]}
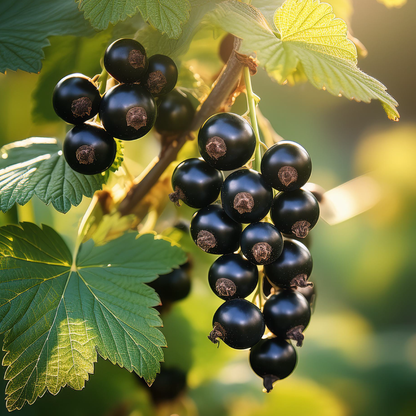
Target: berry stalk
{"points": [[102, 80], [252, 101]]}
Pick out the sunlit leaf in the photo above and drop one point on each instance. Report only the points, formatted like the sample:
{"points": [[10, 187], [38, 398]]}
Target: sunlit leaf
{"points": [[167, 16], [158, 43], [36, 166], [57, 315], [308, 36], [27, 24]]}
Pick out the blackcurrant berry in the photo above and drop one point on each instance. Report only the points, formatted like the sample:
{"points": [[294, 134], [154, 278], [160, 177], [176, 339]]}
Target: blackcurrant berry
{"points": [[308, 291], [273, 359], [231, 276], [226, 141], [126, 60], [292, 268], [196, 183], [128, 112], [287, 314], [213, 231], [161, 75], [261, 243], [89, 149], [310, 295], [286, 166], [238, 323], [76, 99], [295, 212], [175, 113], [173, 286], [168, 385], [246, 197]]}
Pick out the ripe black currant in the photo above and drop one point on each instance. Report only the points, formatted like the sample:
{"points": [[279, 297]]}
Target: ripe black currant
{"points": [[161, 75], [261, 243], [273, 359], [168, 385], [213, 231], [76, 99], [89, 149], [308, 291], [196, 183], [238, 323], [292, 268], [310, 295], [128, 112], [287, 314], [126, 60], [246, 197], [175, 113], [173, 286], [231, 276], [286, 166], [295, 212], [226, 141]]}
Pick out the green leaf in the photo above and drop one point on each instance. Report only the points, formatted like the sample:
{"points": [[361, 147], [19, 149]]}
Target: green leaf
{"points": [[36, 166], [158, 43], [26, 25], [56, 315], [342, 8], [306, 37], [66, 55], [165, 15]]}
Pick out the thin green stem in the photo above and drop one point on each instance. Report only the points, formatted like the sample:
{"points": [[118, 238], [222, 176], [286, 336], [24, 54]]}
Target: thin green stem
{"points": [[82, 231], [259, 291], [102, 80], [252, 101]]}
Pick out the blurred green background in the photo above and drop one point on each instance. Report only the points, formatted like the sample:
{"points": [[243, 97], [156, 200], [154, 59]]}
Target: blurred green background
{"points": [[359, 357]]}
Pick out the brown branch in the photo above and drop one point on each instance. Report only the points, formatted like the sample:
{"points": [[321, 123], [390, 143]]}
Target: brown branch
{"points": [[223, 87]]}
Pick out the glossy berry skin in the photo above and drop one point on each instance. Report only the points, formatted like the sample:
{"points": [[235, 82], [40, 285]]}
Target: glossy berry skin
{"points": [[292, 268], [76, 99], [238, 323], [89, 149], [196, 183], [261, 243], [295, 213], [226, 141], [161, 75], [128, 112], [213, 231], [309, 292], [231, 276], [310, 295], [168, 385], [287, 314], [273, 359], [173, 286], [246, 197], [175, 113], [126, 60], [286, 166]]}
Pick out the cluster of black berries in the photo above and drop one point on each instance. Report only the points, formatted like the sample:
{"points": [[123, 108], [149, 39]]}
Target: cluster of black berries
{"points": [[128, 111], [227, 142]]}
